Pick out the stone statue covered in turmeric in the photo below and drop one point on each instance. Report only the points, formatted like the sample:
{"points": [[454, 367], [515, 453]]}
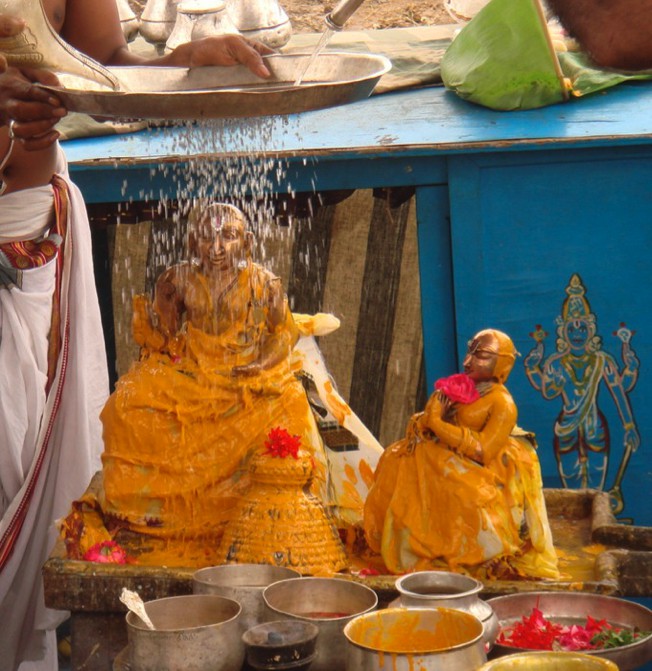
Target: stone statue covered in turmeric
{"points": [[463, 489], [214, 376]]}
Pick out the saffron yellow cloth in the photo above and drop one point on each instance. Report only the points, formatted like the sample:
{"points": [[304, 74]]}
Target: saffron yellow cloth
{"points": [[432, 507]]}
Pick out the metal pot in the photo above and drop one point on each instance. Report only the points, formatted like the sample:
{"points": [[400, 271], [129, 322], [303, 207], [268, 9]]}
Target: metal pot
{"points": [[157, 20], [197, 19], [444, 589], [330, 603], [192, 633], [243, 583], [128, 20], [428, 639], [262, 20]]}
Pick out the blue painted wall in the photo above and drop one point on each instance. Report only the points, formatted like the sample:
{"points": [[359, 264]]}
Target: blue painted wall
{"points": [[522, 225]]}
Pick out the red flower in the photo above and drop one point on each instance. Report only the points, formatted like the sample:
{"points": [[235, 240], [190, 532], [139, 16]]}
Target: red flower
{"points": [[460, 388], [106, 552], [280, 443]]}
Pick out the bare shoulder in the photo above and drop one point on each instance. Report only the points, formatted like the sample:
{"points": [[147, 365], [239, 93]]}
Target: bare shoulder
{"points": [[92, 26]]}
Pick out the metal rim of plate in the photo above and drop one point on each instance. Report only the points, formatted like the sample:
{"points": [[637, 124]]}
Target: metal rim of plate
{"points": [[333, 78]]}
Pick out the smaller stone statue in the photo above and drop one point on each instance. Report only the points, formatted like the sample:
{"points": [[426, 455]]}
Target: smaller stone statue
{"points": [[463, 490]]}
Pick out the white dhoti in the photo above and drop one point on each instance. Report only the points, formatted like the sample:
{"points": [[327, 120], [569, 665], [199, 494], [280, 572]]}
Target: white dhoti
{"points": [[50, 442]]}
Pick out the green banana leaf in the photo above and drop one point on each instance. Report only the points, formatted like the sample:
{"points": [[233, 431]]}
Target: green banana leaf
{"points": [[503, 58], [585, 77]]}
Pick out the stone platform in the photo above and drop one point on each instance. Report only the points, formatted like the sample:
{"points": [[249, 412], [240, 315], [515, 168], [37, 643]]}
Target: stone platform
{"points": [[597, 554]]}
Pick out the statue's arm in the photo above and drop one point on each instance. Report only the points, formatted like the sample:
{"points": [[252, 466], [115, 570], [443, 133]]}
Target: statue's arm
{"points": [[481, 446], [280, 334], [169, 304]]}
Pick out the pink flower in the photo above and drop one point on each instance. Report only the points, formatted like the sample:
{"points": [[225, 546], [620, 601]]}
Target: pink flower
{"points": [[459, 388], [282, 444], [106, 552]]}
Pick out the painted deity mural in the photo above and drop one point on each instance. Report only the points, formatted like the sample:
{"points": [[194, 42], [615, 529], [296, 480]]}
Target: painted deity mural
{"points": [[584, 442]]}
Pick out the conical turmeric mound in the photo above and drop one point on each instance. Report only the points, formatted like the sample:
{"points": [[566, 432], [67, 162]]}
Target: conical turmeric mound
{"points": [[278, 520]]}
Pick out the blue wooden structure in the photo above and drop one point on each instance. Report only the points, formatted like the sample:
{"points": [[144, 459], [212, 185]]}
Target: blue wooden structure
{"points": [[510, 207]]}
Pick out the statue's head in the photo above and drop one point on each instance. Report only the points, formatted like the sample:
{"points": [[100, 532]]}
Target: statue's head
{"points": [[490, 356], [218, 237]]}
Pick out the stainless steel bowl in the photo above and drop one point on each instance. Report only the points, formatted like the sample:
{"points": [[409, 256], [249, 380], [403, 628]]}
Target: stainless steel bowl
{"points": [[243, 583], [406, 639], [573, 607], [330, 603], [549, 661], [445, 589], [198, 632]]}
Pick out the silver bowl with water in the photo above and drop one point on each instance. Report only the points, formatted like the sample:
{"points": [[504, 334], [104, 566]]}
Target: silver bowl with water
{"points": [[330, 603], [197, 632], [243, 583], [445, 589]]}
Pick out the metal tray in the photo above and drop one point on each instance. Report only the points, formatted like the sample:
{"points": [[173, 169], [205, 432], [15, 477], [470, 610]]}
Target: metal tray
{"points": [[334, 78]]}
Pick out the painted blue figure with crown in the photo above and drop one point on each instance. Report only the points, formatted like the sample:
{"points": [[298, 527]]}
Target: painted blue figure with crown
{"points": [[575, 373]]}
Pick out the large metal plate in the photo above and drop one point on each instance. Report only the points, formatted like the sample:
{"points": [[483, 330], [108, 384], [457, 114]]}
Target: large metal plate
{"points": [[334, 78], [572, 608]]}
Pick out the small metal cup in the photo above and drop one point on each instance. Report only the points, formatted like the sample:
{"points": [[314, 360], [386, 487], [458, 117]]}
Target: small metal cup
{"points": [[330, 603], [243, 583]]}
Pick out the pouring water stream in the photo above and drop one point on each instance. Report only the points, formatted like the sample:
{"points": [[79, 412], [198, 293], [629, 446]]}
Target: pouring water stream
{"points": [[323, 41], [335, 21]]}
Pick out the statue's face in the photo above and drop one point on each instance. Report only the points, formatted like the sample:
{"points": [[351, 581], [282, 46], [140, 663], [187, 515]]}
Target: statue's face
{"points": [[481, 357], [577, 334], [220, 244]]}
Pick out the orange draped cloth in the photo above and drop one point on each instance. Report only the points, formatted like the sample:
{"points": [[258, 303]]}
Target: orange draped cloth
{"points": [[432, 507]]}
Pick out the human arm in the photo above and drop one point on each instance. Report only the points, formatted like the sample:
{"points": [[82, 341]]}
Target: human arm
{"points": [[35, 111], [615, 33], [93, 27]]}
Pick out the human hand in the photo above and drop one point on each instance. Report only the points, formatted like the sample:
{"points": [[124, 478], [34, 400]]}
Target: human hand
{"points": [[29, 111], [222, 50]]}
